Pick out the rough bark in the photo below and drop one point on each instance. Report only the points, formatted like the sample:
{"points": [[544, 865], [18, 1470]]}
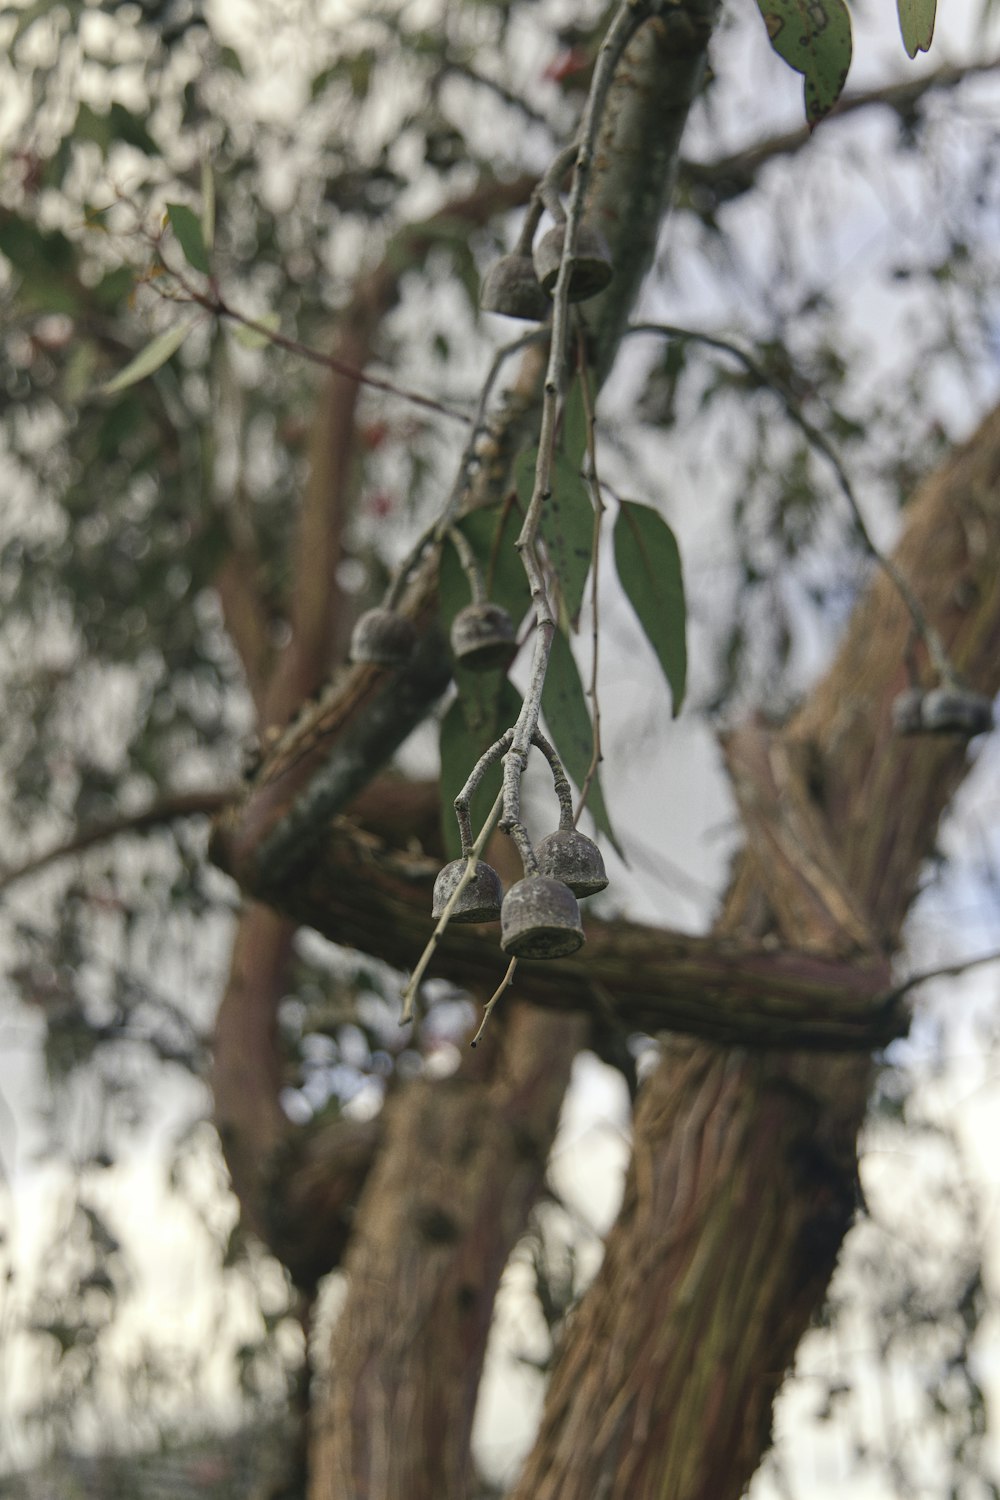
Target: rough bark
{"points": [[462, 1162], [247, 1067], [377, 898], [741, 1183]]}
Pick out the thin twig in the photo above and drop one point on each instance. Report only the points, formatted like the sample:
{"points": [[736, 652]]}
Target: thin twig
{"points": [[413, 984], [626, 22], [444, 522], [819, 440], [594, 485], [504, 984], [183, 805], [222, 309], [946, 971]]}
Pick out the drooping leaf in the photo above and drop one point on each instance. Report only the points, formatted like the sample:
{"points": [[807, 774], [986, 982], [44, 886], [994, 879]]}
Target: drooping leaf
{"points": [[649, 568], [567, 529], [184, 222], [916, 23], [148, 360], [571, 729], [573, 438], [814, 38], [461, 747]]}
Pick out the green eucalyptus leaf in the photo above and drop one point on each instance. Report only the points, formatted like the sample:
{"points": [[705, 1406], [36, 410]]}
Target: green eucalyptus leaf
{"points": [[566, 528], [814, 38], [461, 746], [571, 728], [649, 568], [573, 437], [148, 360], [916, 23], [186, 226]]}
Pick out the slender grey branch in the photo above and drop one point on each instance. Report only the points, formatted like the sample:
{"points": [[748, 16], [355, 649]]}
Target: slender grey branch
{"points": [[924, 629], [627, 21]]}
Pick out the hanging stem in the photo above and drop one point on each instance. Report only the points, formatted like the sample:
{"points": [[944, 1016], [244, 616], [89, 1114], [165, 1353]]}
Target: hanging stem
{"points": [[624, 26], [413, 983], [924, 629], [445, 522], [594, 485], [504, 984]]}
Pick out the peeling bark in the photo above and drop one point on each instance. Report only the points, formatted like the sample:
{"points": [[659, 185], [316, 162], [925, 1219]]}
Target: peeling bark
{"points": [[741, 1184], [463, 1160]]}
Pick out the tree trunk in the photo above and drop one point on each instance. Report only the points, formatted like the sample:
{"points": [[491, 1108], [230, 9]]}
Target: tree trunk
{"points": [[739, 1192], [461, 1164], [741, 1183]]}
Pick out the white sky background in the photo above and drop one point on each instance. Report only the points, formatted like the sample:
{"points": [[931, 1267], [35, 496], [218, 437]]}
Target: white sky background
{"points": [[688, 820]]}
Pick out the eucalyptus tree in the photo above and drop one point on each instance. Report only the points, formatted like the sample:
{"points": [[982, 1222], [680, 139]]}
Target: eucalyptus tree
{"points": [[253, 500]]}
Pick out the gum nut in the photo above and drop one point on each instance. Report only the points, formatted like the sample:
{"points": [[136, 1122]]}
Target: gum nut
{"points": [[540, 918], [479, 902], [573, 858], [590, 269], [956, 711], [510, 287], [383, 637], [482, 637]]}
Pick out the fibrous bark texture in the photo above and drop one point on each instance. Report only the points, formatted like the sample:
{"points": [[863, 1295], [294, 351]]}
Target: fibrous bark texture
{"points": [[462, 1162], [741, 1183]]}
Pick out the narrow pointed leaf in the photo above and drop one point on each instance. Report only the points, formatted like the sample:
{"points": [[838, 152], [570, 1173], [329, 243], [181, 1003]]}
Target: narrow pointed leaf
{"points": [[186, 227], [649, 567], [814, 38], [571, 729], [461, 746], [567, 529], [573, 439], [148, 360], [916, 23]]}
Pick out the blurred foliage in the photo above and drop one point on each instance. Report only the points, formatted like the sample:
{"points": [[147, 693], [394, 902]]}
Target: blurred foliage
{"points": [[118, 682]]}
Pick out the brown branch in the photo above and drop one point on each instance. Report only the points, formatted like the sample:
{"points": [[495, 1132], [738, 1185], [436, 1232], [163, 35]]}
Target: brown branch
{"points": [[337, 364], [246, 623], [377, 899], [462, 1164], [247, 1066], [168, 810], [730, 176], [315, 596]]}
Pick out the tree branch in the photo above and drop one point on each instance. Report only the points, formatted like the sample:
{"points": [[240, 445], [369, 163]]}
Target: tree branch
{"points": [[168, 810], [711, 183], [377, 899]]}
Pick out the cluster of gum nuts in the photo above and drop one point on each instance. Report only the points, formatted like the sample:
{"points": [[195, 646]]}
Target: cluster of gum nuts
{"points": [[539, 916], [521, 284]]}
